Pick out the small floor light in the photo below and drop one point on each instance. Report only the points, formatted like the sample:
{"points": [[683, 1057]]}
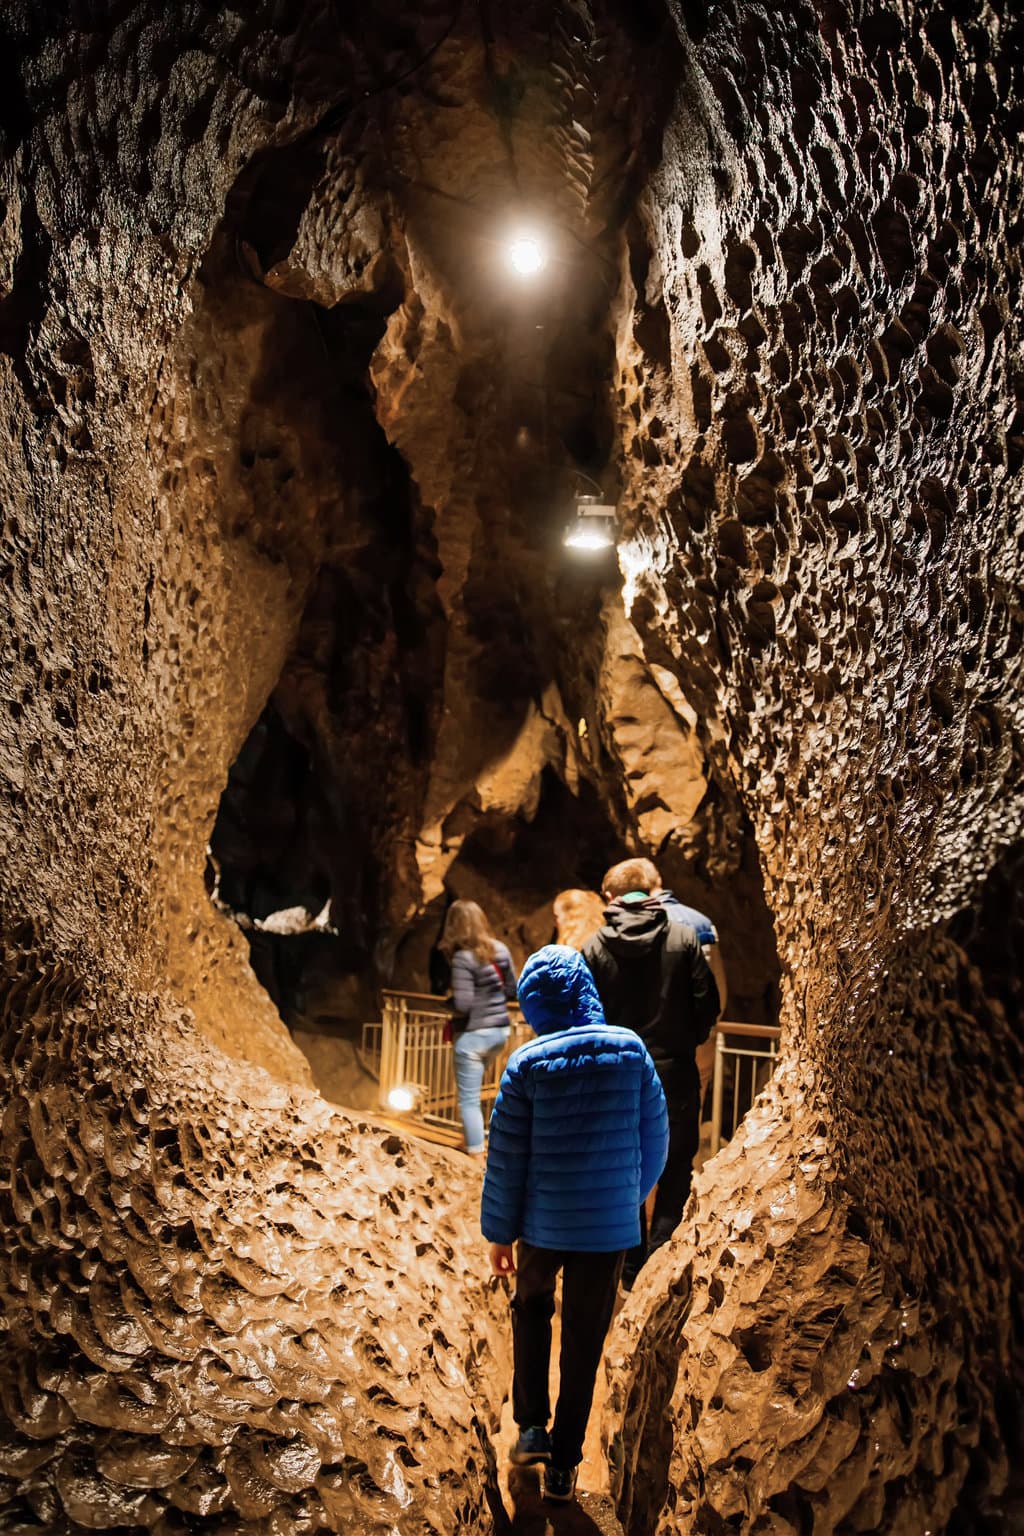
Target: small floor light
{"points": [[593, 526], [403, 1098], [526, 254]]}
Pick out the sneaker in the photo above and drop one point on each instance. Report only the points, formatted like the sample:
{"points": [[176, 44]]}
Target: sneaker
{"points": [[533, 1445], [560, 1483]]}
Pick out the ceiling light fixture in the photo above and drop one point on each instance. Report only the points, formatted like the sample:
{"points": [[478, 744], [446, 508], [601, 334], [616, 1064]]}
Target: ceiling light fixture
{"points": [[593, 526]]}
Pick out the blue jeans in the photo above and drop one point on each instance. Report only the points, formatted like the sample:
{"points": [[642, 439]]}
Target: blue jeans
{"points": [[475, 1049]]}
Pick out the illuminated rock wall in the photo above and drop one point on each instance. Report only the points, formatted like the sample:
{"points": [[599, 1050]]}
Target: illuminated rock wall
{"points": [[223, 1304], [820, 385]]}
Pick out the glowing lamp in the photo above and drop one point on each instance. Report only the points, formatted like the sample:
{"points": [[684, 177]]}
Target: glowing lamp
{"points": [[526, 254], [402, 1098], [592, 528]]}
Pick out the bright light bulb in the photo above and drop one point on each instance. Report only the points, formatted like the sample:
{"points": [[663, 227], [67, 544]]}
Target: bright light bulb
{"points": [[402, 1099], [589, 538], [526, 255]]}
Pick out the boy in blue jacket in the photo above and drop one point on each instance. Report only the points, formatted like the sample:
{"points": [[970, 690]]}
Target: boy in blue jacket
{"points": [[578, 1139]]}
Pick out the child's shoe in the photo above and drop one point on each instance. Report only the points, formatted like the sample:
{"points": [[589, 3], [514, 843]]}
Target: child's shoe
{"points": [[560, 1483]]}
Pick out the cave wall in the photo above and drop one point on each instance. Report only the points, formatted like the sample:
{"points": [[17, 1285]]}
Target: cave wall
{"points": [[788, 244], [820, 381], [223, 1303]]}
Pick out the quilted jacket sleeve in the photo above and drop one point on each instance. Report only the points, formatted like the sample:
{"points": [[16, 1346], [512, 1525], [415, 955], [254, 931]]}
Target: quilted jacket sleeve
{"points": [[508, 1158], [463, 981], [653, 1129]]}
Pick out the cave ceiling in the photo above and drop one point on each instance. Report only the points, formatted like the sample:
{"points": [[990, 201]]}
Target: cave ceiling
{"points": [[285, 455]]}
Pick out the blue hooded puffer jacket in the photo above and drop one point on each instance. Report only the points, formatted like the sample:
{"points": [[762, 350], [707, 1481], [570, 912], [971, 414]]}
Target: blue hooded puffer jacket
{"points": [[579, 1133]]}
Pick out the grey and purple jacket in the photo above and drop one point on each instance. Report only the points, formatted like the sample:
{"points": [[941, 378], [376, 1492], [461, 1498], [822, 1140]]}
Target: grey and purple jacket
{"points": [[479, 992]]}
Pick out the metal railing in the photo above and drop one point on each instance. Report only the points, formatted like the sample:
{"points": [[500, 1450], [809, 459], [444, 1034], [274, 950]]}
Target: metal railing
{"points": [[408, 1054], [749, 1065]]}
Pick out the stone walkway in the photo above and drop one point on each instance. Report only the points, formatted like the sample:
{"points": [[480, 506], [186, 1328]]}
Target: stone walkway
{"points": [[593, 1513]]}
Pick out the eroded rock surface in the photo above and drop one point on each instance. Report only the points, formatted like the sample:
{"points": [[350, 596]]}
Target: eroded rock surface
{"points": [[820, 377], [273, 426], [223, 1300]]}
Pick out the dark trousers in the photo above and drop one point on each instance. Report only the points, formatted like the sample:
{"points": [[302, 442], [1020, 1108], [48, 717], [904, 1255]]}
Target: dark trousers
{"points": [[589, 1284], [673, 1187]]}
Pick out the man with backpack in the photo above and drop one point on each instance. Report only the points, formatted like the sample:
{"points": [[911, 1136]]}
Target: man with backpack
{"points": [[652, 978]]}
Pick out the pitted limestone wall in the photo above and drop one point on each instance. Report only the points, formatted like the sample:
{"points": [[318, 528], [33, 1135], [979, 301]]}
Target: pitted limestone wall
{"points": [[820, 454], [820, 383], [223, 1303]]}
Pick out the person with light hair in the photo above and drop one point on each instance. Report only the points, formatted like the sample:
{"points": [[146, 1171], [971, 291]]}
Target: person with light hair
{"points": [[642, 874], [483, 981], [578, 916]]}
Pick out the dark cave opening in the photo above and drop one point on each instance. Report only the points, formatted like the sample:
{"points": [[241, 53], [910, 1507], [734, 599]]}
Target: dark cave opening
{"points": [[269, 835]]}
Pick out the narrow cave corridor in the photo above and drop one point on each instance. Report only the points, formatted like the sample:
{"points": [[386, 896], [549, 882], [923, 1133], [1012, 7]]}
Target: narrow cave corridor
{"points": [[289, 447]]}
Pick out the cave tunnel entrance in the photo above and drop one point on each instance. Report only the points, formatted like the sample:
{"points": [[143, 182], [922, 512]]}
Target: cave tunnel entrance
{"points": [[319, 838], [317, 844], [313, 848]]}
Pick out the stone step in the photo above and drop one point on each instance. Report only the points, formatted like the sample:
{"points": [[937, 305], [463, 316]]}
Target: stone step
{"points": [[592, 1514]]}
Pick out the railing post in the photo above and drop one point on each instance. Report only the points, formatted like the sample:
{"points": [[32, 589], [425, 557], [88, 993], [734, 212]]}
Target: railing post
{"points": [[402, 1075], [717, 1090], [387, 1051]]}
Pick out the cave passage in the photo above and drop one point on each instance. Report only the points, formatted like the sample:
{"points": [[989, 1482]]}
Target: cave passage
{"points": [[313, 328], [465, 709]]}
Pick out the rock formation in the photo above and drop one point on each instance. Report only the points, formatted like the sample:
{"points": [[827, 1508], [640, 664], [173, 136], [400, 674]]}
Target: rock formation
{"points": [[279, 437], [826, 549]]}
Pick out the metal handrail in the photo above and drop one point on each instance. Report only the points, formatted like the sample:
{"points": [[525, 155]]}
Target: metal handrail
{"points": [[755, 1031], [439, 1001], [406, 1047], [725, 1027]]}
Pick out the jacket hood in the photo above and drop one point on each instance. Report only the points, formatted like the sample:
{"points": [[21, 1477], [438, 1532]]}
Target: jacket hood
{"points": [[633, 928], [557, 991]]}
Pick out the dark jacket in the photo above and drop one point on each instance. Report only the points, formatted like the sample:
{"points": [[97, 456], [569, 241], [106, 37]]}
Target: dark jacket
{"points": [[652, 977], [579, 1133], [679, 912], [479, 992]]}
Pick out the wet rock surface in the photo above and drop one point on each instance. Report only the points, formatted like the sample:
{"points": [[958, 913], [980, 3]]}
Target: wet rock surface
{"points": [[826, 539], [224, 1300], [274, 431]]}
